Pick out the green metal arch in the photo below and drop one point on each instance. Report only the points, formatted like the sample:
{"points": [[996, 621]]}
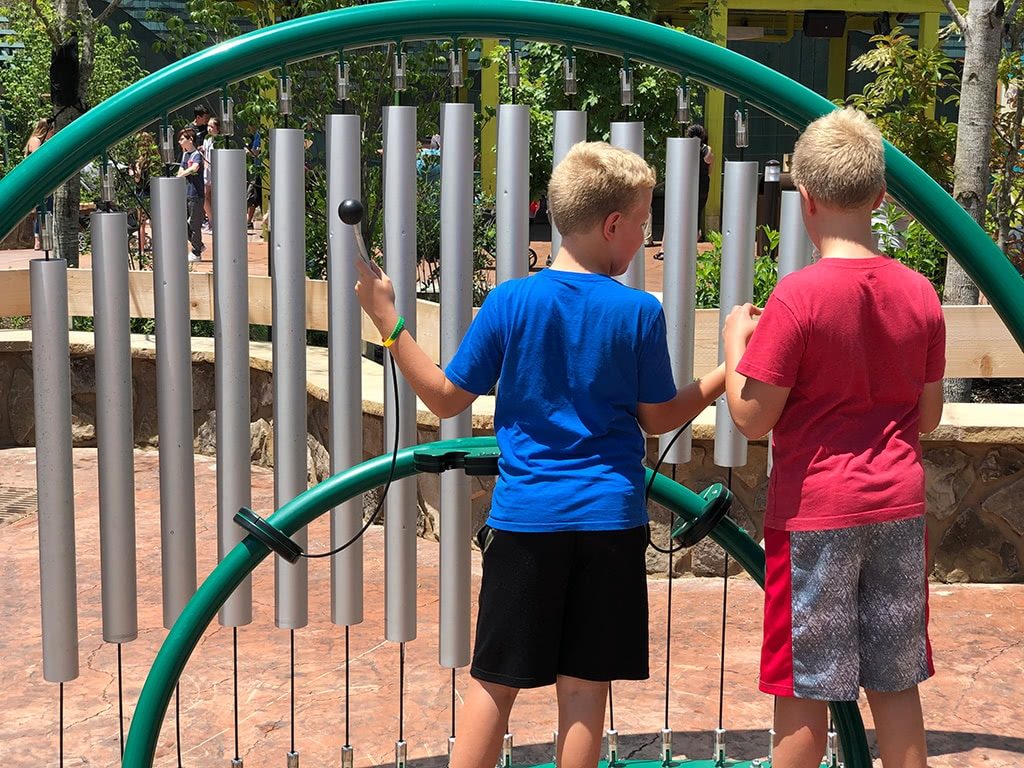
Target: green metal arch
{"points": [[308, 506], [775, 94]]}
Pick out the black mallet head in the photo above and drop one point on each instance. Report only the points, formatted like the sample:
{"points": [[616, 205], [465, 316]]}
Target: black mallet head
{"points": [[350, 211]]}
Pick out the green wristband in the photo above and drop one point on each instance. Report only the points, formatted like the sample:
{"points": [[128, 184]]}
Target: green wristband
{"points": [[399, 327]]}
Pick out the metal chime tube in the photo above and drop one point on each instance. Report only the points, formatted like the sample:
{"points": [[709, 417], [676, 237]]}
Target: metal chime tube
{"points": [[51, 375], [287, 227], [737, 287], [795, 248], [513, 192], [682, 159], [114, 430], [795, 253], [174, 397], [570, 129], [456, 314], [345, 363], [400, 258], [231, 374], [630, 135]]}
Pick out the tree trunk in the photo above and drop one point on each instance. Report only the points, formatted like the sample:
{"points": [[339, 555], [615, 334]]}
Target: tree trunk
{"points": [[971, 169]]}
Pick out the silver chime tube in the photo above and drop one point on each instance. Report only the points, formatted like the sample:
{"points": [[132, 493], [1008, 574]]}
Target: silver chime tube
{"points": [[288, 232], [51, 375], [795, 246], [400, 264], [795, 252], [682, 159], [570, 129], [114, 429], [174, 397], [513, 192], [231, 374], [344, 359], [739, 206], [456, 314], [630, 135]]}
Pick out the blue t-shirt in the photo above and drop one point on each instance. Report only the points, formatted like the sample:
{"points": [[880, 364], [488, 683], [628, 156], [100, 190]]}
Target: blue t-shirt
{"points": [[193, 182], [572, 355]]}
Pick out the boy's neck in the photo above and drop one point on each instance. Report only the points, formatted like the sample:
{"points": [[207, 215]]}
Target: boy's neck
{"points": [[847, 237], [577, 254]]}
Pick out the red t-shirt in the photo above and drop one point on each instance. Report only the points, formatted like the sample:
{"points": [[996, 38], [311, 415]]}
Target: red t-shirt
{"points": [[855, 340]]}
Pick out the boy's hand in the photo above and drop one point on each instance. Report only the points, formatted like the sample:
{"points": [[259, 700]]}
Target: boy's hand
{"points": [[740, 323], [376, 296]]}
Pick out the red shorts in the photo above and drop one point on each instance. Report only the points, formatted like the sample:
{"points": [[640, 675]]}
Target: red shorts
{"points": [[845, 609]]}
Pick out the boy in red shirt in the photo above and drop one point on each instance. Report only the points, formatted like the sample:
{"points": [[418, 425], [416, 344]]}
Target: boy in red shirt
{"points": [[845, 367]]}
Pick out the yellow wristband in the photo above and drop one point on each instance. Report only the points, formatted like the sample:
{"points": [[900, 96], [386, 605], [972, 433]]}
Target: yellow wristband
{"points": [[399, 326]]}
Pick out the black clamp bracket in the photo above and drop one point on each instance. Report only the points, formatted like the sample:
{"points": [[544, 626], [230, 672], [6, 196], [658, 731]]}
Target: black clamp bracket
{"points": [[719, 500], [475, 464]]}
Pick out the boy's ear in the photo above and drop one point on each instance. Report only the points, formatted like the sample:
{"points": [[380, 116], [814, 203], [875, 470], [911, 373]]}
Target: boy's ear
{"points": [[880, 198], [611, 224], [809, 203]]}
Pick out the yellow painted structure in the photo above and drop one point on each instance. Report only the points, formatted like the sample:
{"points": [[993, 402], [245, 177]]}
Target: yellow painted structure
{"points": [[489, 131]]}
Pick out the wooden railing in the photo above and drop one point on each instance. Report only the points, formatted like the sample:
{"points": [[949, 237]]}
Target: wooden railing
{"points": [[978, 344]]}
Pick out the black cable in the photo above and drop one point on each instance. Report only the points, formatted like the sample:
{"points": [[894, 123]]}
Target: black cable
{"points": [[401, 691], [725, 610], [391, 476], [292, 633], [453, 702], [120, 701], [650, 483], [234, 674], [177, 721], [61, 737], [668, 626], [611, 708], [347, 742]]}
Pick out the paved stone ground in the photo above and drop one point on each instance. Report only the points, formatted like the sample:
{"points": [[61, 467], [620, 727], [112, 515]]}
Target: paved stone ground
{"points": [[973, 706]]}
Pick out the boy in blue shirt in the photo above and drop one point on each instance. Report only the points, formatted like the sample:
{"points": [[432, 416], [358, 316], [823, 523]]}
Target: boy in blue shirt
{"points": [[582, 365]]}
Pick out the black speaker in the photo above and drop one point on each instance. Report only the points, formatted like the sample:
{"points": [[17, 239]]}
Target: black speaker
{"points": [[824, 23]]}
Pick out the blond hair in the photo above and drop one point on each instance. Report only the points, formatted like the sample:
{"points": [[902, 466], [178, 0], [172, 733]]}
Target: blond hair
{"points": [[594, 180], [840, 159]]}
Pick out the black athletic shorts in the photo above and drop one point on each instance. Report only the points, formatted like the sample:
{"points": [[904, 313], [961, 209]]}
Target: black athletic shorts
{"points": [[565, 603]]}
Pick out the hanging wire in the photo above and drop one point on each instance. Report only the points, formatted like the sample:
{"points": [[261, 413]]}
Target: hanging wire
{"points": [[61, 736], [668, 625], [292, 634], [401, 691], [611, 708], [177, 722], [348, 743], [453, 702], [120, 700], [234, 676], [725, 613]]}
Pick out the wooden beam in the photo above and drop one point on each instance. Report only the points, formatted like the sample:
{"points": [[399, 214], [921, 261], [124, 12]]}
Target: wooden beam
{"points": [[850, 6], [978, 344]]}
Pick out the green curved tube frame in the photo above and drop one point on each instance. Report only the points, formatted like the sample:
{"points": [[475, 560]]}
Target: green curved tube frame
{"points": [[619, 36], [303, 509]]}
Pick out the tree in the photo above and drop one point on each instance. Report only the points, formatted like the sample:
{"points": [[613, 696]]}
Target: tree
{"points": [[982, 30], [76, 59]]}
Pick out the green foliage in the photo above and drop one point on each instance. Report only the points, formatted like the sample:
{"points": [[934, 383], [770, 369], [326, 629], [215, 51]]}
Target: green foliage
{"points": [[26, 80], [709, 270], [900, 97], [542, 87], [908, 241]]}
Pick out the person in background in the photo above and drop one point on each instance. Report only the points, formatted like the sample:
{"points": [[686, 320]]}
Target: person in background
{"points": [[147, 160], [213, 126], [42, 130], [697, 131], [191, 168]]}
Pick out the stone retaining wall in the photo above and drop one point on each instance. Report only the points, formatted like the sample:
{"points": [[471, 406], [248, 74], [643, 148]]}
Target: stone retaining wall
{"points": [[975, 489]]}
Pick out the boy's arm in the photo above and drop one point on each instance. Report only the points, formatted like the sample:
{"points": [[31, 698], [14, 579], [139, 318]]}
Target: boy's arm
{"points": [[929, 406], [659, 418], [755, 406], [438, 393]]}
